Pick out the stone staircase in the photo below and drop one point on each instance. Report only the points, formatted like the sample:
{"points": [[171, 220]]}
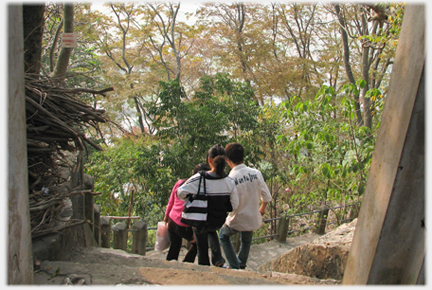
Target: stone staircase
{"points": [[101, 266]]}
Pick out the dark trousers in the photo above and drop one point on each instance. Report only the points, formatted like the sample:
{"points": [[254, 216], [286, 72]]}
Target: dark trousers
{"points": [[176, 234], [205, 237]]}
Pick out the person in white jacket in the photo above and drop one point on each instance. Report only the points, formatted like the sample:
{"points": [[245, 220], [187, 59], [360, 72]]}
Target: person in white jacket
{"points": [[252, 190], [222, 198]]}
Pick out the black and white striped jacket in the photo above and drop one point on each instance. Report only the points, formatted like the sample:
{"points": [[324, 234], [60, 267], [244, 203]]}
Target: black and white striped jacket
{"points": [[221, 192]]}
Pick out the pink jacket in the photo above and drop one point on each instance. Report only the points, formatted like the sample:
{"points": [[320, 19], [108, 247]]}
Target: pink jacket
{"points": [[176, 205]]}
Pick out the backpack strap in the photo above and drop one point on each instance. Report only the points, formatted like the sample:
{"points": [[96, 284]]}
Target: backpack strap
{"points": [[202, 176]]}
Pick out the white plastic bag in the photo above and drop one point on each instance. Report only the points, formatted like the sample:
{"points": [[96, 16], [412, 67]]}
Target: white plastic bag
{"points": [[162, 237]]}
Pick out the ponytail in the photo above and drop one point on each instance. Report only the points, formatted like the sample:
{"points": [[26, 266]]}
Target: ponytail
{"points": [[220, 163], [217, 154]]}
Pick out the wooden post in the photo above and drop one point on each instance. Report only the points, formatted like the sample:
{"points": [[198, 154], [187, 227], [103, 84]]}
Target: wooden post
{"points": [[322, 220], [19, 251], [353, 212], [120, 236], [88, 184], [283, 229], [389, 243], [139, 238], [78, 204], [97, 224], [89, 209], [130, 208], [106, 232]]}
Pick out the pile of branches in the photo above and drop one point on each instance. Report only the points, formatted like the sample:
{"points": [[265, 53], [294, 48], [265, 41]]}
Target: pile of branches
{"points": [[56, 122]]}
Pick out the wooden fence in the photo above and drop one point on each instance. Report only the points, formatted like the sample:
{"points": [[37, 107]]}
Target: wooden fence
{"points": [[104, 230], [86, 209], [284, 228]]}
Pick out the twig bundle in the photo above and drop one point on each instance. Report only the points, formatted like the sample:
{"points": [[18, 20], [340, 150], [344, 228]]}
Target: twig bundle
{"points": [[55, 116], [56, 122]]}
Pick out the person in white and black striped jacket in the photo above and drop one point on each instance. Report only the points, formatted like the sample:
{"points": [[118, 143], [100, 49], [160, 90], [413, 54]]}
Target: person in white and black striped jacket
{"points": [[222, 198]]}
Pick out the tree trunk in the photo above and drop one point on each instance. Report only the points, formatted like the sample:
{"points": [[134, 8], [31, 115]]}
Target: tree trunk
{"points": [[33, 19], [140, 118], [367, 112], [19, 246], [346, 59], [65, 52]]}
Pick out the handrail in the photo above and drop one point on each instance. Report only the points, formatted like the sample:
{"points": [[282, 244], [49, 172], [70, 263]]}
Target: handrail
{"points": [[305, 213], [123, 217], [301, 214], [281, 234]]}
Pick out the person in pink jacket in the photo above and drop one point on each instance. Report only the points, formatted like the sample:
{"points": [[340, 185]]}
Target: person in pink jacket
{"points": [[176, 229]]}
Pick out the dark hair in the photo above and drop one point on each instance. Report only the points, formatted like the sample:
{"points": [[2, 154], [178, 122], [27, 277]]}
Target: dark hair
{"points": [[217, 154], [235, 152], [201, 166]]}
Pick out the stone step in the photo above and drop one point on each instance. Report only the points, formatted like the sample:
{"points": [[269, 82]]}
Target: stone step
{"points": [[98, 266], [101, 266]]}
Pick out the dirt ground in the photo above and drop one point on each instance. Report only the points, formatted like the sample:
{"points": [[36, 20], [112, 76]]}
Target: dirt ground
{"points": [[100, 266]]}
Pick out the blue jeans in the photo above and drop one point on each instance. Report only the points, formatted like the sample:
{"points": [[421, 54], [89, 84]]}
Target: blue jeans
{"points": [[235, 261]]}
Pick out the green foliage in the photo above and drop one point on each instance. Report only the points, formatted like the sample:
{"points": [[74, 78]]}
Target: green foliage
{"points": [[131, 165], [150, 166], [220, 111], [329, 154], [310, 152]]}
